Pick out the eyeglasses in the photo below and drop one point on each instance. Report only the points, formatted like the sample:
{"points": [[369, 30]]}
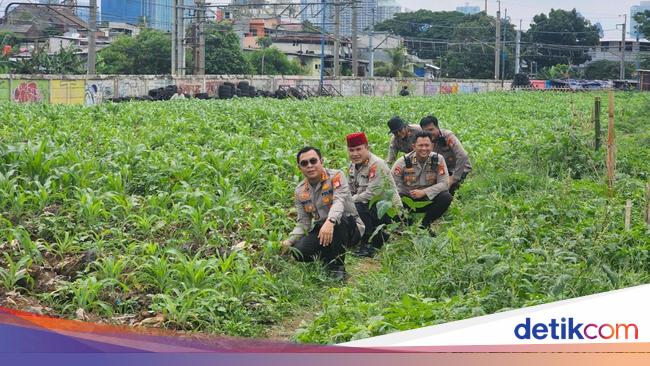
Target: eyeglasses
{"points": [[305, 163]]}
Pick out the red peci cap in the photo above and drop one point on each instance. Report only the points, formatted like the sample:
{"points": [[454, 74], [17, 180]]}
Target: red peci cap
{"points": [[356, 139]]}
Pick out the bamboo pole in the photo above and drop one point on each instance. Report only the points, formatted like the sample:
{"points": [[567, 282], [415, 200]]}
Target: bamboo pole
{"points": [[647, 202], [597, 123], [628, 214], [611, 146]]}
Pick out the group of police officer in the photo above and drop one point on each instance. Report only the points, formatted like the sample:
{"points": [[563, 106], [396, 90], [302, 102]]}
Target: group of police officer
{"points": [[336, 211]]}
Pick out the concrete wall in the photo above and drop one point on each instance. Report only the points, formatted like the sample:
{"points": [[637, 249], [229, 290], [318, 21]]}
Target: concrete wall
{"points": [[80, 89]]}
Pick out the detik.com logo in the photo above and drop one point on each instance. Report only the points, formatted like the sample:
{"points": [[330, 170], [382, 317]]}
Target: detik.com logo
{"points": [[568, 328]]}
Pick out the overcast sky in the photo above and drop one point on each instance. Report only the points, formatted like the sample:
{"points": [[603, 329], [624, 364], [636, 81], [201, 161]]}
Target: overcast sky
{"points": [[606, 12]]}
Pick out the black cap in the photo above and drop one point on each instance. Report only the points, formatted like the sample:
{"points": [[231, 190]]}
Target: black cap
{"points": [[395, 124]]}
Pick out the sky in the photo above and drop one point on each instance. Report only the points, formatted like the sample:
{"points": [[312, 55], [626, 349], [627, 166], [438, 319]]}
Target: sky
{"points": [[606, 12]]}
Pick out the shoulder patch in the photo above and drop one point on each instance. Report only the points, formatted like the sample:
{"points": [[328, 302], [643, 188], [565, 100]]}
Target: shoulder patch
{"points": [[397, 170], [336, 181], [373, 171], [441, 169], [450, 141]]}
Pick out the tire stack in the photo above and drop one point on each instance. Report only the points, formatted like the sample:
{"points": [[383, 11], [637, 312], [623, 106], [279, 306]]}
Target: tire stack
{"points": [[226, 90], [243, 89]]}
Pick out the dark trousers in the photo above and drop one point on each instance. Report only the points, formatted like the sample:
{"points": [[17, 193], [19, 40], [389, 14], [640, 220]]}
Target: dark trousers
{"points": [[371, 221], [346, 234], [439, 204], [454, 187]]}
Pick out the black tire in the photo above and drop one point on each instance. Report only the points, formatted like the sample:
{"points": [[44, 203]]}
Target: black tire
{"points": [[202, 96], [224, 91], [242, 84], [173, 89], [238, 93], [244, 91], [229, 84], [252, 92]]}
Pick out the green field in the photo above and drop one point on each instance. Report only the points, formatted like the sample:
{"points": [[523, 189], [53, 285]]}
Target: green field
{"points": [[171, 214]]}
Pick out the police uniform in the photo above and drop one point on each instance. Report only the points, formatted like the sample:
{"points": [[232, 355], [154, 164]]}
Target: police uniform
{"points": [[329, 199], [431, 176], [448, 145], [404, 145], [367, 180]]}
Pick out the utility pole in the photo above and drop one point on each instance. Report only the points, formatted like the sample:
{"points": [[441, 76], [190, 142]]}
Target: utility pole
{"points": [[92, 45], [337, 41], [622, 68], [355, 50], [503, 46], [322, 45], [178, 36], [199, 49], [485, 7], [370, 45], [497, 43], [518, 49], [638, 60]]}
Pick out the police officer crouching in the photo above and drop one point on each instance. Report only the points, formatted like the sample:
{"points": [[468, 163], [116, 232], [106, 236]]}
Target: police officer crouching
{"points": [[448, 145], [369, 178], [327, 219], [422, 175]]}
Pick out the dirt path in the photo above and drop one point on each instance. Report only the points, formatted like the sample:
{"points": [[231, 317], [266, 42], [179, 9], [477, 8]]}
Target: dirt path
{"points": [[287, 328]]}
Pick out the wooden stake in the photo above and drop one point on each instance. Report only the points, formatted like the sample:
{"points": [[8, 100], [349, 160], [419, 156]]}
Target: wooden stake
{"points": [[628, 214], [597, 123], [611, 147], [647, 202]]}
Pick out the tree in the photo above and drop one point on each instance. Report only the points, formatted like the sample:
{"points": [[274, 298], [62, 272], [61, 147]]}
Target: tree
{"points": [[643, 20], [276, 62], [398, 67], [607, 70], [66, 61], [562, 37], [148, 53], [263, 43], [559, 71], [471, 49], [423, 24], [223, 53]]}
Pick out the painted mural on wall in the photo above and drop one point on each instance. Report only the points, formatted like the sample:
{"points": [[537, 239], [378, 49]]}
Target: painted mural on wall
{"points": [[367, 88], [98, 91], [4, 90], [191, 87], [67, 91], [30, 91], [131, 87]]}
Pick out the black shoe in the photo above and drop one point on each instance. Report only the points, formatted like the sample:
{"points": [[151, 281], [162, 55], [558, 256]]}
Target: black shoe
{"points": [[431, 232], [365, 251], [338, 273]]}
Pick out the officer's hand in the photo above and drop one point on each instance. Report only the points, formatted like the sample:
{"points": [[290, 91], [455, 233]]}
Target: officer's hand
{"points": [[417, 193], [285, 246], [326, 233], [451, 181]]}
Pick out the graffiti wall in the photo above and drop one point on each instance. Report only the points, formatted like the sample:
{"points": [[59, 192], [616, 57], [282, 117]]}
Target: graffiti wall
{"points": [[131, 87], [30, 91], [98, 91], [67, 91], [48, 89]]}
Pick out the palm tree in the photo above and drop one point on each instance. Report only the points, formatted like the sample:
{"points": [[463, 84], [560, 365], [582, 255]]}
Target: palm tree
{"points": [[263, 43], [398, 66]]}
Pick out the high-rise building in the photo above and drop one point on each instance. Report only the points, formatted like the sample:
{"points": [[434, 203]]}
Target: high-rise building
{"points": [[469, 10], [369, 12], [386, 9], [155, 14], [643, 6]]}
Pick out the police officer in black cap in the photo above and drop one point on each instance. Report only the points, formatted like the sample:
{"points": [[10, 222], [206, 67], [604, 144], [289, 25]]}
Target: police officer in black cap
{"points": [[402, 139]]}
